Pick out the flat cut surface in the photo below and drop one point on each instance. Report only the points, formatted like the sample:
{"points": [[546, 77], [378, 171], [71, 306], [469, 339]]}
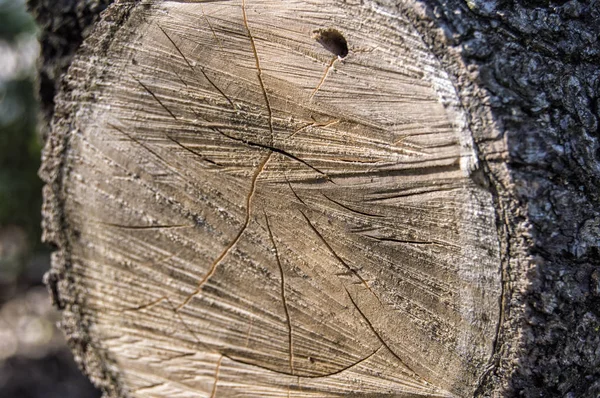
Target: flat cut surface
{"points": [[252, 215]]}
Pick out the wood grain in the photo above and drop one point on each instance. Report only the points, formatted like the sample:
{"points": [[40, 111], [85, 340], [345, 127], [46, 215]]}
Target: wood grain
{"points": [[252, 215]]}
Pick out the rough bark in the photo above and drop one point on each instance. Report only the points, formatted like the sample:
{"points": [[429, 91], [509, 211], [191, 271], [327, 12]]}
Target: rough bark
{"points": [[526, 82], [63, 25], [538, 64]]}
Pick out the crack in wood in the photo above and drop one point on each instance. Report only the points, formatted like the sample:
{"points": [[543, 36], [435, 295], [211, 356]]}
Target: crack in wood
{"points": [[143, 145], [259, 70], [236, 239], [211, 27], [155, 97], [337, 257], [178, 75], [413, 242], [294, 191], [381, 340], [202, 157], [214, 388], [313, 124], [145, 306], [285, 306], [209, 349], [351, 209], [327, 69], [141, 227], [311, 377], [194, 70], [151, 386]]}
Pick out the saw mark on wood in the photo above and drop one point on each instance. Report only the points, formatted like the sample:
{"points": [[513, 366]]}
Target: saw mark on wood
{"points": [[214, 388], [283, 299], [236, 239], [259, 70], [213, 127], [188, 328], [177, 314], [337, 257], [194, 70]]}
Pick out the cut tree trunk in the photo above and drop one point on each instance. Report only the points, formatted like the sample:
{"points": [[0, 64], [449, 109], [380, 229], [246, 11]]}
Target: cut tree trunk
{"points": [[311, 199]]}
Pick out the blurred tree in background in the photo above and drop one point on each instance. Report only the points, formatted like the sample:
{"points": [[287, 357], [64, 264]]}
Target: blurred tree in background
{"points": [[20, 187], [34, 360]]}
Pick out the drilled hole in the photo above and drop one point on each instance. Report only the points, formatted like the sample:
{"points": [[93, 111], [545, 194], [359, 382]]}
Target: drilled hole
{"points": [[333, 41]]}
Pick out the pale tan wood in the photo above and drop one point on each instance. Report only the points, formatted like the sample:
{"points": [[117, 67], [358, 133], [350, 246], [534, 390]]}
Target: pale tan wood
{"points": [[251, 215]]}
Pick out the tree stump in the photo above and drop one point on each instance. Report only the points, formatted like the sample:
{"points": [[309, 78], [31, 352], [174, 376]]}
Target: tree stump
{"points": [[284, 198]]}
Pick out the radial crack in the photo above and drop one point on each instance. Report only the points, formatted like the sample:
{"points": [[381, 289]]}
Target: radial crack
{"points": [[282, 152], [285, 307], [151, 386], [275, 149], [211, 27], [155, 97], [328, 246], [336, 372], [313, 124], [236, 239], [147, 305], [327, 69], [294, 191], [202, 157], [350, 209], [194, 70], [259, 70], [141, 227], [381, 340], [143, 145], [214, 388]]}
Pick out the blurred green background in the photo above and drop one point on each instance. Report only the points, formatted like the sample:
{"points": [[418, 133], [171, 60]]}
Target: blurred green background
{"points": [[34, 360]]}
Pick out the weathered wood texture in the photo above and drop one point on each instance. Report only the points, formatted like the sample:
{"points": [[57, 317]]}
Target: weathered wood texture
{"points": [[239, 212]]}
